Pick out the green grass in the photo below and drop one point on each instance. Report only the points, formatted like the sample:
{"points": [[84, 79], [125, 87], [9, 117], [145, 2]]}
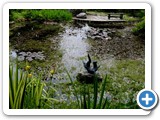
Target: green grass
{"points": [[127, 78], [41, 15], [118, 91]]}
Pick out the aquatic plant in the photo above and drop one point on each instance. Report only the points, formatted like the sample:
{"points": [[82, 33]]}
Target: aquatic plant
{"points": [[27, 91], [85, 101]]}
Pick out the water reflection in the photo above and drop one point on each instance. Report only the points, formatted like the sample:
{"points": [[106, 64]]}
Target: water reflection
{"points": [[74, 46]]}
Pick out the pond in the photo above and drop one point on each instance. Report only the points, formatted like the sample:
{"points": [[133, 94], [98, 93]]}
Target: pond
{"points": [[55, 46]]}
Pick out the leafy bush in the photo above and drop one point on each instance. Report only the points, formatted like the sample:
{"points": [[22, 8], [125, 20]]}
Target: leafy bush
{"points": [[41, 15], [17, 15], [140, 29]]}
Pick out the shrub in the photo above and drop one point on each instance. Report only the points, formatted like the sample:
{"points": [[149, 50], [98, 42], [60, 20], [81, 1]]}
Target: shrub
{"points": [[41, 15], [140, 29]]}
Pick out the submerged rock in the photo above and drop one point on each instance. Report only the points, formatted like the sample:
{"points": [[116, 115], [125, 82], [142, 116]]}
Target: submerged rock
{"points": [[97, 34], [30, 56]]}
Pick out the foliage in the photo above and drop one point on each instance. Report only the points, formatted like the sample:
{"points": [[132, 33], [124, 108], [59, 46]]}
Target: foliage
{"points": [[137, 13], [17, 85], [16, 15], [131, 12], [117, 91], [41, 15], [140, 28], [26, 91], [124, 80], [129, 18], [85, 100]]}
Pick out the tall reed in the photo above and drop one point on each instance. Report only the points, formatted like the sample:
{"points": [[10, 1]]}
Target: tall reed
{"points": [[26, 91], [85, 100]]}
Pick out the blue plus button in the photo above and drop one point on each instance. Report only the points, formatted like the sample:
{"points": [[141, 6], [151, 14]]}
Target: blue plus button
{"points": [[147, 99]]}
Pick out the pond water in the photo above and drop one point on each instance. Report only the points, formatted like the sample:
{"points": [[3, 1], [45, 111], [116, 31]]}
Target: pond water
{"points": [[74, 43], [69, 47], [74, 46]]}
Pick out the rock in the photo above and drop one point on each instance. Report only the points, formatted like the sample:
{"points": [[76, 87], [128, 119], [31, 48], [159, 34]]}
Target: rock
{"points": [[29, 58], [95, 33], [109, 38], [28, 53], [88, 78], [93, 37], [100, 31], [105, 34], [76, 11], [113, 32], [21, 58], [129, 37], [98, 37], [82, 15], [110, 34], [22, 54]]}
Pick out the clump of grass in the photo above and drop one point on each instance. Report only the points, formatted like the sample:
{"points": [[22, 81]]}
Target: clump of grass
{"points": [[89, 102], [17, 85]]}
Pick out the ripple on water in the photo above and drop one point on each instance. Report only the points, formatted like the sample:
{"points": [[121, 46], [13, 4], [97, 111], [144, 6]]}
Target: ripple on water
{"points": [[74, 45]]}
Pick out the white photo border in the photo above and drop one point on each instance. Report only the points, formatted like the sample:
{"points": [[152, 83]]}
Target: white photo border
{"points": [[8, 6]]}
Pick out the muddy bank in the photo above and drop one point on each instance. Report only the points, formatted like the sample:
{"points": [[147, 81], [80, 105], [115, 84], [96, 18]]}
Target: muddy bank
{"points": [[36, 44], [122, 44], [29, 34]]}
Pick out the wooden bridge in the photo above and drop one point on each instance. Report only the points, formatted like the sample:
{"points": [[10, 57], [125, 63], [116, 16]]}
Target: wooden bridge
{"points": [[101, 21]]}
